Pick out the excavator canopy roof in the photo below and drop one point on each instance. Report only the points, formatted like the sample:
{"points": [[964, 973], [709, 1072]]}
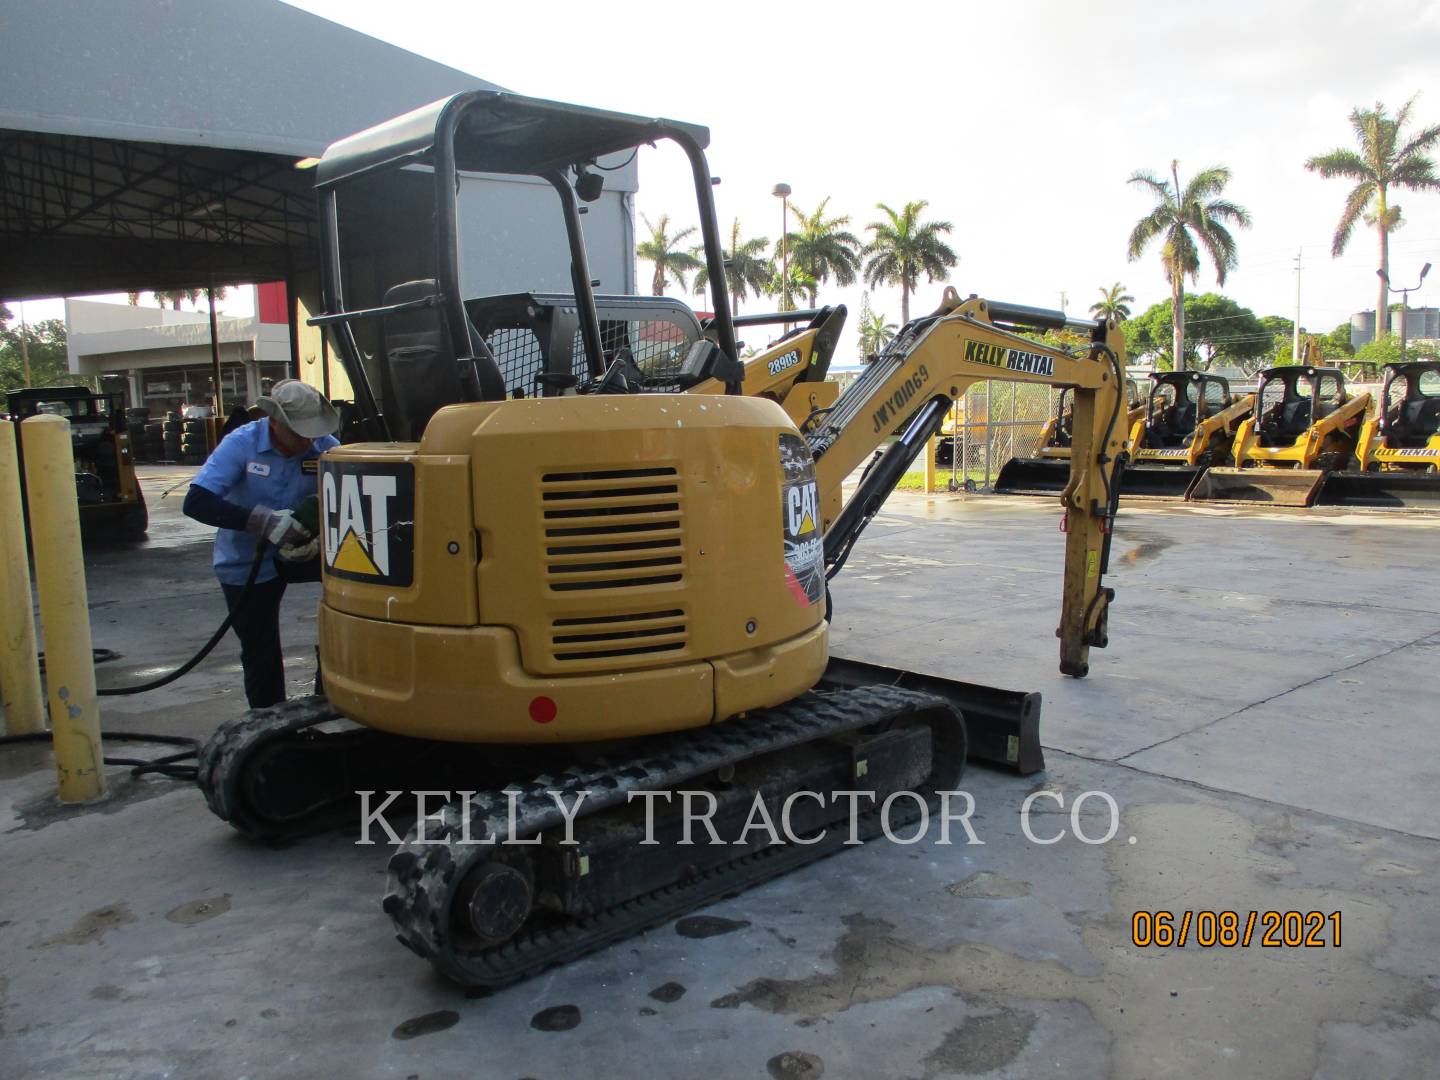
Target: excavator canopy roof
{"points": [[499, 132]]}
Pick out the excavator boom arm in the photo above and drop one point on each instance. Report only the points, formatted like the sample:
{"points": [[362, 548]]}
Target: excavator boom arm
{"points": [[910, 387]]}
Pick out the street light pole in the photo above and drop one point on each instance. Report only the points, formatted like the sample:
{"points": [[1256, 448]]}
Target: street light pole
{"points": [[782, 192], [1404, 302]]}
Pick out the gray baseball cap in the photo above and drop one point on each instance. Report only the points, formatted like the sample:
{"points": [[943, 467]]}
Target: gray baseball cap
{"points": [[301, 408]]}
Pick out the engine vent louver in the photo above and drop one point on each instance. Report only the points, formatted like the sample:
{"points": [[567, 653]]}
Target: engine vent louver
{"points": [[616, 535]]}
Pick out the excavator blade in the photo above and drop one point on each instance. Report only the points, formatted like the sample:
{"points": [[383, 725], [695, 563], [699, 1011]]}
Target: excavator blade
{"points": [[1397, 490], [1032, 476], [1258, 487], [1003, 725], [1158, 481]]}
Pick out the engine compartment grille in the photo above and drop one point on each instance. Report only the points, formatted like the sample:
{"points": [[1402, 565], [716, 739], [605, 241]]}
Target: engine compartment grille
{"points": [[614, 535], [612, 637]]}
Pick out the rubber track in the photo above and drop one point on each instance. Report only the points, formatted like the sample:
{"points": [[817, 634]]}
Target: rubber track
{"points": [[230, 748], [423, 877]]}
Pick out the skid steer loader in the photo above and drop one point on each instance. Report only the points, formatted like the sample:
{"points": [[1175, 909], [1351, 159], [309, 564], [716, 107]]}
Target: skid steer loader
{"points": [[1305, 424], [550, 605], [1189, 424], [112, 505], [1048, 471], [1398, 453]]}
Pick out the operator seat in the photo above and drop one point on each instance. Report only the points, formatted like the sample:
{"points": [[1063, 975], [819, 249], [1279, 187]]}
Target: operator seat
{"points": [[1417, 421], [424, 376]]}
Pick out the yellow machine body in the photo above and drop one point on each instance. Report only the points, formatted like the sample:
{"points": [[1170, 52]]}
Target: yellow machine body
{"points": [[779, 373], [1212, 438], [1375, 456], [521, 584]]}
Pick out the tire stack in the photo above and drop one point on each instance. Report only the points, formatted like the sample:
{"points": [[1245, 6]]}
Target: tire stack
{"points": [[171, 432], [192, 442], [135, 428], [154, 443]]}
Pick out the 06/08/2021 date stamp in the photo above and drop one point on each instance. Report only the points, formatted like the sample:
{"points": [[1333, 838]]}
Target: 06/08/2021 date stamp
{"points": [[1236, 929]]}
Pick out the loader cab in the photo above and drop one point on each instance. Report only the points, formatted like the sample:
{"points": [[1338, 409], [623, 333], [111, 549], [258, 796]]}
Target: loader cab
{"points": [[393, 203], [111, 502], [1179, 401], [1291, 399], [1065, 412], [1410, 404]]}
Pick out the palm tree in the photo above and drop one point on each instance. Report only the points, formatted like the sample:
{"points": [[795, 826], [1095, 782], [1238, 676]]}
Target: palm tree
{"points": [[822, 249], [1382, 163], [904, 248], [875, 334], [801, 284], [175, 297], [746, 268], [1114, 303], [663, 249], [1182, 216]]}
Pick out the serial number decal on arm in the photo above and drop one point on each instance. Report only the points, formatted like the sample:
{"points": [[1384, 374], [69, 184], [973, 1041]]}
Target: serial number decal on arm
{"points": [[1235, 929]]}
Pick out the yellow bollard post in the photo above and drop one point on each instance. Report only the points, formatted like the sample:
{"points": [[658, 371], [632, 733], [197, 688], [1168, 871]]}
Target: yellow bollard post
{"points": [[64, 608], [930, 448], [19, 664]]}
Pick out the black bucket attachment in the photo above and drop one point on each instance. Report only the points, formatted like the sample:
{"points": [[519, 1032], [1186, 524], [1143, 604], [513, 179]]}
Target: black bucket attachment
{"points": [[1388, 490], [1003, 726], [1032, 476], [1158, 481], [1259, 487]]}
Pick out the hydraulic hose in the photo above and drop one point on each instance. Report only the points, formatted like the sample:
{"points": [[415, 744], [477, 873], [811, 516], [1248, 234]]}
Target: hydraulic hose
{"points": [[169, 765]]}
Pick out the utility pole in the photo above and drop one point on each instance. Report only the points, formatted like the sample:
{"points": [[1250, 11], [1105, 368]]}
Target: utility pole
{"points": [[1062, 299], [1296, 346]]}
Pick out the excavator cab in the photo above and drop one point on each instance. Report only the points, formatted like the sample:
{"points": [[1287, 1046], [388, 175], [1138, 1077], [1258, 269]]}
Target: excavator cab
{"points": [[1190, 419], [422, 318], [1399, 448], [1305, 425]]}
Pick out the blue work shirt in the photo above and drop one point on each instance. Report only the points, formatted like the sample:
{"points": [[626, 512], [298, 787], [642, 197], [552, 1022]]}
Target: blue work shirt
{"points": [[247, 470]]}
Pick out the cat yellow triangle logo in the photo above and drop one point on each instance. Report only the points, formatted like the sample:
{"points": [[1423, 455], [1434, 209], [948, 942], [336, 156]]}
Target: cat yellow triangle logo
{"points": [[807, 524], [352, 557]]}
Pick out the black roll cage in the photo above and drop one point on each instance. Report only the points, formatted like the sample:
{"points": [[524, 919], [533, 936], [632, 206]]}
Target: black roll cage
{"points": [[489, 131], [1180, 380], [1290, 376]]}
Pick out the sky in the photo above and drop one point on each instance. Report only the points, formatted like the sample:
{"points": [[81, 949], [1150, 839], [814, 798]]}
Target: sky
{"points": [[1020, 123]]}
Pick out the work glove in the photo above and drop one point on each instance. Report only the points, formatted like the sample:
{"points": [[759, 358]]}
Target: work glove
{"points": [[277, 526]]}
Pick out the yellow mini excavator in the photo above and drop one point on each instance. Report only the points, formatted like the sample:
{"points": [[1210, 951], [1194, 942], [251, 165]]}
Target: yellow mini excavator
{"points": [[1305, 424], [549, 605], [1049, 470], [1189, 424], [1399, 449]]}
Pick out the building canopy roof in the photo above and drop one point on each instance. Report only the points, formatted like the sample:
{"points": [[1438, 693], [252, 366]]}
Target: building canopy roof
{"points": [[153, 145]]}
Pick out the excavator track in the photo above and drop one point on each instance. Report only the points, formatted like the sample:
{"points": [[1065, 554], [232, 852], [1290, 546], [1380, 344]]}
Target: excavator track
{"points": [[245, 765], [428, 876]]}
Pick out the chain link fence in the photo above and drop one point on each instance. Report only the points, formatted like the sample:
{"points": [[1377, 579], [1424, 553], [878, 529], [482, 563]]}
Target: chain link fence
{"points": [[992, 422]]}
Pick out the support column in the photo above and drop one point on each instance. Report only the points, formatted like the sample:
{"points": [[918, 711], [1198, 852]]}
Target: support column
{"points": [[19, 662], [64, 608]]}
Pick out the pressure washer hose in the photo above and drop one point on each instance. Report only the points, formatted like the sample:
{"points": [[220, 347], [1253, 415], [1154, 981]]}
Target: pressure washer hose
{"points": [[261, 546]]}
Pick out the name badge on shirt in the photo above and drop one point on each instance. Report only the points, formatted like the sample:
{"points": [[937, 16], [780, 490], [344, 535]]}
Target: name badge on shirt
{"points": [[257, 468]]}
